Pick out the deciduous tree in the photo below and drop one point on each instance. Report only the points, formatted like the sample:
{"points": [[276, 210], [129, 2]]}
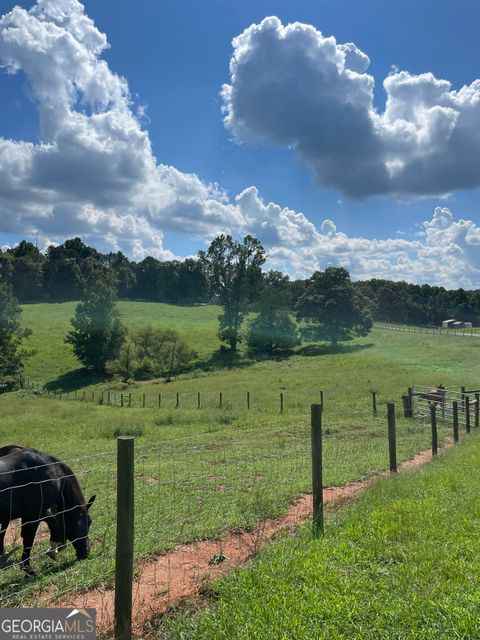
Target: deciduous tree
{"points": [[332, 308], [234, 272], [273, 329], [11, 334], [97, 331]]}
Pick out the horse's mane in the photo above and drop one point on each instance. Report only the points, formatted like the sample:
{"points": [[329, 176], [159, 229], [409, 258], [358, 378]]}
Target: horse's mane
{"points": [[71, 492]]}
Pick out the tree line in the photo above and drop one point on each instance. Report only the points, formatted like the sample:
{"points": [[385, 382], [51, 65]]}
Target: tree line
{"points": [[267, 310], [62, 272]]}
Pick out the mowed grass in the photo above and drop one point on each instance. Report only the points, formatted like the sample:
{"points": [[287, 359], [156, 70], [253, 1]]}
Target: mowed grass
{"points": [[402, 562], [203, 471]]}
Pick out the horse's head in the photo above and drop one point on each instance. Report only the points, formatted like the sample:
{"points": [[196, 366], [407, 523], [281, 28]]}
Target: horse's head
{"points": [[76, 527]]}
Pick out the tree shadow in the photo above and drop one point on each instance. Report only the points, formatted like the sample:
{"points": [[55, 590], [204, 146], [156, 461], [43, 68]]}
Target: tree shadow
{"points": [[221, 359], [310, 350], [74, 380]]}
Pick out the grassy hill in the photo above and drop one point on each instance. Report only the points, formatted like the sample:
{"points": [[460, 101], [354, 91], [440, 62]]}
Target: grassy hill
{"points": [[50, 324], [384, 360]]}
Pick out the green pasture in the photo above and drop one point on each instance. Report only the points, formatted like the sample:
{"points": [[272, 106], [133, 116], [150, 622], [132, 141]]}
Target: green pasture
{"points": [[202, 471], [402, 562]]}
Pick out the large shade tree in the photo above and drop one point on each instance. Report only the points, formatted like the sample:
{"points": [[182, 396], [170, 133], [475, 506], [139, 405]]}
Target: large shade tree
{"points": [[332, 308], [234, 272], [273, 329]]}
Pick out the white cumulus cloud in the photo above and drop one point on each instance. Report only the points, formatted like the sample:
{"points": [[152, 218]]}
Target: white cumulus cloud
{"points": [[446, 253], [292, 86], [93, 171]]}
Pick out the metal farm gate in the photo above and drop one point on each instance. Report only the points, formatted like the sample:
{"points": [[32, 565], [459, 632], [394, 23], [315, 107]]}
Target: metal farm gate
{"points": [[468, 403]]}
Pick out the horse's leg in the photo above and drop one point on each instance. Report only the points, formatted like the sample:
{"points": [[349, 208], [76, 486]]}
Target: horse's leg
{"points": [[3, 530], [29, 529]]}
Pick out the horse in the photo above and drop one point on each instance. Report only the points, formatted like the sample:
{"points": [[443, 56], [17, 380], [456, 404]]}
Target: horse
{"points": [[434, 396], [35, 487]]}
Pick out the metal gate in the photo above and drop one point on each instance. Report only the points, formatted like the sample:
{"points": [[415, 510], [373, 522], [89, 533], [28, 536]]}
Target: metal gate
{"points": [[468, 403]]}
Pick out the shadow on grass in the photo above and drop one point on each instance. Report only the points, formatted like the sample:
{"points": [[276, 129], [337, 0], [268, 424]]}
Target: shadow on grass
{"points": [[328, 350], [225, 359], [222, 359], [74, 380]]}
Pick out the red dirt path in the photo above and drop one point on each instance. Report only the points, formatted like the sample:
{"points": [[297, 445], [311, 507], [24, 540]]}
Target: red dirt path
{"points": [[185, 570]]}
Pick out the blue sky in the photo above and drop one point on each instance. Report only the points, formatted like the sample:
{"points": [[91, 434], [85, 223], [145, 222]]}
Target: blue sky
{"points": [[175, 58]]}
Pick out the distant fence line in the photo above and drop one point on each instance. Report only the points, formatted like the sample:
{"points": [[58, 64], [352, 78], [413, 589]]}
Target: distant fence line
{"points": [[439, 331], [160, 400], [139, 479], [176, 400]]}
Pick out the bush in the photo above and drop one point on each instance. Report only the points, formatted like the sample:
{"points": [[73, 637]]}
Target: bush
{"points": [[151, 353]]}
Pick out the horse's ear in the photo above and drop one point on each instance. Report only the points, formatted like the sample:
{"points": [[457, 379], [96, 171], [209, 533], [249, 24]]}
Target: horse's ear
{"points": [[91, 501]]}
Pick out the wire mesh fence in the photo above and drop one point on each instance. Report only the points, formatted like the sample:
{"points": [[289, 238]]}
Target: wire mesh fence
{"points": [[203, 504]]}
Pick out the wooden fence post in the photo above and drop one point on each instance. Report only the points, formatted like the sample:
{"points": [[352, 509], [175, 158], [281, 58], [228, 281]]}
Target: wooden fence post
{"points": [[462, 392], [198, 400], [374, 403], [159, 400], [178, 401], [321, 398], [281, 402], [143, 401], [121, 399], [129, 399], [410, 402], [407, 407], [220, 400], [317, 480], [467, 413], [392, 437], [125, 538], [248, 399], [455, 420], [477, 411], [433, 420]]}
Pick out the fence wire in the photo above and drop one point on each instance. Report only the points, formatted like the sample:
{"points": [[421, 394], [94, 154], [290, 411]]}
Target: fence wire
{"points": [[204, 503]]}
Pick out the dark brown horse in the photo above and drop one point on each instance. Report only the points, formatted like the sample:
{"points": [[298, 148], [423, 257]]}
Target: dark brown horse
{"points": [[36, 487]]}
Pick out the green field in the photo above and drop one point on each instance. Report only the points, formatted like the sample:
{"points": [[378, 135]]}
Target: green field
{"points": [[202, 471], [54, 362], [402, 562]]}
